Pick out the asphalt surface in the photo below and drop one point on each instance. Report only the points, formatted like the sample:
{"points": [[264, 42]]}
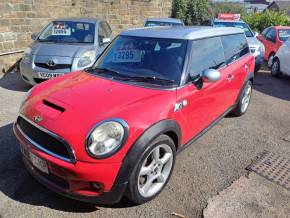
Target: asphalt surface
{"points": [[203, 170]]}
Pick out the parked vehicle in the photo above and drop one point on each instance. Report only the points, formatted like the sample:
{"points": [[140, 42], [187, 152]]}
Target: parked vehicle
{"points": [[281, 61], [163, 22], [115, 129], [63, 46], [272, 38], [234, 20]]}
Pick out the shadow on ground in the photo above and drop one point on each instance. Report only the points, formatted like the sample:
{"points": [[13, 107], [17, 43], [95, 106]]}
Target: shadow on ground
{"points": [[17, 184], [275, 87], [13, 81]]}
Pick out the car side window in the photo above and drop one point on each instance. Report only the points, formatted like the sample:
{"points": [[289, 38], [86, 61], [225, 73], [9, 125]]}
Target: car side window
{"points": [[235, 46], [206, 54], [271, 35], [101, 33], [265, 31]]}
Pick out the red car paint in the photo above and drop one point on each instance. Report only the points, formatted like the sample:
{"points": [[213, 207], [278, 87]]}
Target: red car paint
{"points": [[88, 99], [271, 47]]}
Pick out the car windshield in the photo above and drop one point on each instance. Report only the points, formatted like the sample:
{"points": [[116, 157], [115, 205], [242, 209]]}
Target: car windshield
{"points": [[244, 26], [284, 34], [68, 32], [160, 23], [143, 59]]}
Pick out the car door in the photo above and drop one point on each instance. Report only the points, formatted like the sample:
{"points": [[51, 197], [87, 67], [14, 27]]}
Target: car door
{"points": [[284, 57], [262, 38], [271, 38], [236, 49], [204, 105]]}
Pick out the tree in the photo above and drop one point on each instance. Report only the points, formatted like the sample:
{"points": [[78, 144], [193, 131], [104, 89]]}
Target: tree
{"points": [[192, 12]]}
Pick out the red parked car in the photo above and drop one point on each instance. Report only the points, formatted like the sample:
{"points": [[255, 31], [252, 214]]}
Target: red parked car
{"points": [[272, 38], [115, 129]]}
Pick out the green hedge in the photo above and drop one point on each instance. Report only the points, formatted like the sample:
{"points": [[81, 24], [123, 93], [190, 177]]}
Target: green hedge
{"points": [[194, 12], [260, 21]]}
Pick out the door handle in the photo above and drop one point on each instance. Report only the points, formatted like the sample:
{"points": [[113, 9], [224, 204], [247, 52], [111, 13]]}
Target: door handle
{"points": [[230, 77]]}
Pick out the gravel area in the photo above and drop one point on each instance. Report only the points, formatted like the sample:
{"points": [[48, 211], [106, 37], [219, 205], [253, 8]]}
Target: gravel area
{"points": [[203, 170]]}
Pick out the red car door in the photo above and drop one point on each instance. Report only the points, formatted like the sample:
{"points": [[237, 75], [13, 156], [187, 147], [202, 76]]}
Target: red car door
{"points": [[205, 105], [270, 40], [238, 58]]}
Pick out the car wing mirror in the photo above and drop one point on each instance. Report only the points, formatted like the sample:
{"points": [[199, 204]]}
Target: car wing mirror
{"points": [[34, 36], [256, 34], [106, 41], [210, 75]]}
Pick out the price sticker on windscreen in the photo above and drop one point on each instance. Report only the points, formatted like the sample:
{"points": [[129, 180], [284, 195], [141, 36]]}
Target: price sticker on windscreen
{"points": [[130, 55], [60, 29]]}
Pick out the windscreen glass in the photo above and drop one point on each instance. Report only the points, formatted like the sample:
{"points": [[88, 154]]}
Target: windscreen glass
{"points": [[244, 26], [68, 32]]}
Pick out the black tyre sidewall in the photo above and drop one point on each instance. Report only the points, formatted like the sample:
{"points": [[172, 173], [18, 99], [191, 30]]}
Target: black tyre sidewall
{"points": [[133, 192], [277, 74], [238, 110]]}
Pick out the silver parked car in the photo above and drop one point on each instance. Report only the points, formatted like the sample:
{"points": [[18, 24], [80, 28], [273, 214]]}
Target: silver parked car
{"points": [[64, 46]]}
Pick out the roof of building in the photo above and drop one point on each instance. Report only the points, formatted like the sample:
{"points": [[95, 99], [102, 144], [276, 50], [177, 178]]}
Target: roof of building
{"points": [[280, 5], [168, 20], [188, 33]]}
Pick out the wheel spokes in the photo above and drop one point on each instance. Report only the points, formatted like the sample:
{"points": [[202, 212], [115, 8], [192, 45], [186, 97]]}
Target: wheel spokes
{"points": [[165, 158]]}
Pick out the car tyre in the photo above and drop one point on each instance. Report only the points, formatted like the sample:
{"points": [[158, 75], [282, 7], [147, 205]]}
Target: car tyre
{"points": [[270, 60], [275, 69], [244, 100], [153, 170]]}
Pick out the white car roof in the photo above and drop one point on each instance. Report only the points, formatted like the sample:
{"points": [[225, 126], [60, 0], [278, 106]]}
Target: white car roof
{"points": [[187, 33]]}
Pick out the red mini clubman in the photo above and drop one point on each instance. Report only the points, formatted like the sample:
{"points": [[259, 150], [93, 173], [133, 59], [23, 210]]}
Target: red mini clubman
{"points": [[114, 129]]}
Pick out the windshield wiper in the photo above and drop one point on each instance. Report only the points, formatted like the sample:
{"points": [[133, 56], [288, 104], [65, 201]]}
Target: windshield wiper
{"points": [[150, 79], [102, 70]]}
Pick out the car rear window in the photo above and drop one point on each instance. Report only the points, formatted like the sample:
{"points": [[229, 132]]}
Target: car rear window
{"points": [[235, 46], [68, 32], [284, 34]]}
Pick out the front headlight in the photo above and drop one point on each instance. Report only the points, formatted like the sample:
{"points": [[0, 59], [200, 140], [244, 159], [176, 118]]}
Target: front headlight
{"points": [[106, 138], [27, 55], [87, 58]]}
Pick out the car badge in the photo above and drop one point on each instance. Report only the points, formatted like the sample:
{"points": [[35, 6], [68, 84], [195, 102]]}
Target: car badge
{"points": [[50, 63], [37, 119]]}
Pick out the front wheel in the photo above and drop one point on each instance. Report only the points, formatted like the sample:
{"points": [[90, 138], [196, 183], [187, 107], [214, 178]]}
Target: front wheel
{"points": [[275, 70], [244, 100], [153, 171]]}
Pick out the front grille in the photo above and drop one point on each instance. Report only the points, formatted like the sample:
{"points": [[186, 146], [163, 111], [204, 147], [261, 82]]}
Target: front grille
{"points": [[55, 67], [45, 141]]}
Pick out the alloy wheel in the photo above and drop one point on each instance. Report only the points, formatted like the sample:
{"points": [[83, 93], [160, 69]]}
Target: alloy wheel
{"points": [[155, 170], [246, 97], [270, 61]]}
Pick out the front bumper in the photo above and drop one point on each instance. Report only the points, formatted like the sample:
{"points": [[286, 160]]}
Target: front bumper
{"points": [[74, 180]]}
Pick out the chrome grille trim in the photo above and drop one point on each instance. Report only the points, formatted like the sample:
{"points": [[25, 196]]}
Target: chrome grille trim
{"points": [[39, 147]]}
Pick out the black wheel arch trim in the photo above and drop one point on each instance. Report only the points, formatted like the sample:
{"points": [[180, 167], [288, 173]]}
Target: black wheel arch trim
{"points": [[140, 145], [250, 76]]}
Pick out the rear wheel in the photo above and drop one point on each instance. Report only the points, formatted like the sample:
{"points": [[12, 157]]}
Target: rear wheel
{"points": [[153, 171], [244, 100], [270, 60], [275, 69]]}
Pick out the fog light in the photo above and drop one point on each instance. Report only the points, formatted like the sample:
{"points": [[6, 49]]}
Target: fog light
{"points": [[98, 186]]}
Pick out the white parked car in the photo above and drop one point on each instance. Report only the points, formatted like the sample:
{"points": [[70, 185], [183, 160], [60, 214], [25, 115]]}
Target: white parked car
{"points": [[281, 62]]}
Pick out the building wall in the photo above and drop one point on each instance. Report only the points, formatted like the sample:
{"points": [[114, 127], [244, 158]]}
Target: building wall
{"points": [[20, 18]]}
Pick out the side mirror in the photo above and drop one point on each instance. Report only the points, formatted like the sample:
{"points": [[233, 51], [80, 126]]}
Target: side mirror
{"points": [[106, 41], [34, 36], [256, 34], [210, 75]]}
